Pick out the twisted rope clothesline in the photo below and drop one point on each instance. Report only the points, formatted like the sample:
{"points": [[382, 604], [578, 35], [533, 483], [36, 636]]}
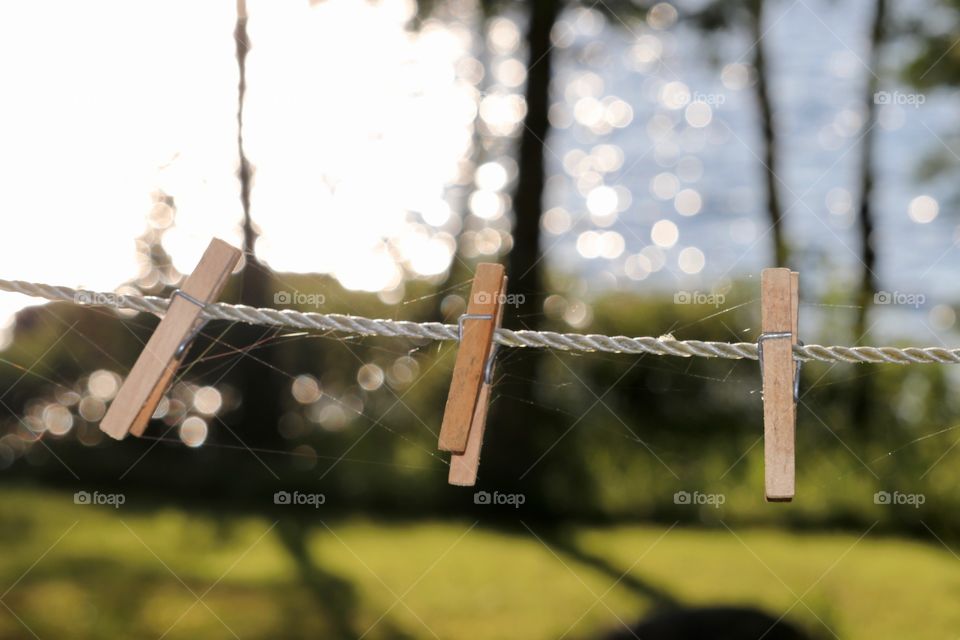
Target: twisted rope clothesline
{"points": [[355, 325]]}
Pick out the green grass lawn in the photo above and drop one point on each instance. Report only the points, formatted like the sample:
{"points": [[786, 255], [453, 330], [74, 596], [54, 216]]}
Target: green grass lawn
{"points": [[74, 571]]}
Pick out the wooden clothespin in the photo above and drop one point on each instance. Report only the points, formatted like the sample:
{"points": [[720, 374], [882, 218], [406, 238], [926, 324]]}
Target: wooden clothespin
{"points": [[781, 378], [153, 371], [465, 414], [463, 467]]}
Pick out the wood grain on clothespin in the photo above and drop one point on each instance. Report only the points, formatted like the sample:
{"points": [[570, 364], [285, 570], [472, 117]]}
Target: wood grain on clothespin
{"points": [[464, 467], [469, 370], [153, 371], [779, 310]]}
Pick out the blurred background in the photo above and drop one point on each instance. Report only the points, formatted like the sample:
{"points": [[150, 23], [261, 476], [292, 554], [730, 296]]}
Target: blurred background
{"points": [[633, 164]]}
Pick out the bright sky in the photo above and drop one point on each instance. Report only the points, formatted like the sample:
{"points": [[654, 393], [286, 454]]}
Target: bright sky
{"points": [[107, 102]]}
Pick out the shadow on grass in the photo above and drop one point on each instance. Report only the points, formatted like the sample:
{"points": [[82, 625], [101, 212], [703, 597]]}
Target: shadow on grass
{"points": [[562, 541], [335, 597], [668, 619]]}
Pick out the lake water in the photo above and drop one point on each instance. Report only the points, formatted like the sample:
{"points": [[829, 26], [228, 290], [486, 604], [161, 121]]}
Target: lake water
{"points": [[816, 52]]}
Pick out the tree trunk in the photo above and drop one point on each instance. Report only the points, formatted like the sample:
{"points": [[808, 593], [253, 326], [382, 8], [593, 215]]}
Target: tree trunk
{"points": [[525, 264], [860, 402], [517, 419], [769, 135], [260, 387], [244, 171]]}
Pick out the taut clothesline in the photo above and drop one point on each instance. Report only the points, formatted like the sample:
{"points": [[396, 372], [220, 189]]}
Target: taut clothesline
{"points": [[356, 325]]}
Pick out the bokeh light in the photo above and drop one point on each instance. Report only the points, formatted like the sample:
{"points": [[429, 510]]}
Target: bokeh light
{"points": [[193, 431], [923, 209]]}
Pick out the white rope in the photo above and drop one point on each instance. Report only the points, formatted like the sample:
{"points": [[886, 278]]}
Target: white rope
{"points": [[355, 325]]}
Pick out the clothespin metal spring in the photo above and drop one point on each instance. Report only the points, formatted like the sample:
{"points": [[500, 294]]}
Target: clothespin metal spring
{"points": [[200, 325], [774, 335], [488, 368]]}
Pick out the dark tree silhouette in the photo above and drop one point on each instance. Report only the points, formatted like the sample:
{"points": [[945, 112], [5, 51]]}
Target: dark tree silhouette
{"points": [[860, 403], [261, 393], [525, 263], [771, 155]]}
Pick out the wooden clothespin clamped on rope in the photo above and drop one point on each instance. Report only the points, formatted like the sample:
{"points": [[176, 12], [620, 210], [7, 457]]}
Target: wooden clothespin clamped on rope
{"points": [[153, 372], [781, 380], [465, 414]]}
